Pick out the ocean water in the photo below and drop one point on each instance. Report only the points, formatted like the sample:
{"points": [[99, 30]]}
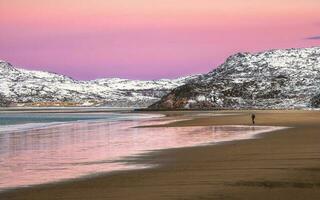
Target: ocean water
{"points": [[13, 122], [24, 118], [47, 147]]}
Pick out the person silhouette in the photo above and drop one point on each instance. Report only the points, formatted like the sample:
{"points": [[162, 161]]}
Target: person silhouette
{"points": [[253, 117]]}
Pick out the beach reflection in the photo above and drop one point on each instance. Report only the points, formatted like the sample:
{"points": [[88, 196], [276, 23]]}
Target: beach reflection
{"points": [[83, 148]]}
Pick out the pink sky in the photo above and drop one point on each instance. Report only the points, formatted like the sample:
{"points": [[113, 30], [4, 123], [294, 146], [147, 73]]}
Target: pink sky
{"points": [[148, 39]]}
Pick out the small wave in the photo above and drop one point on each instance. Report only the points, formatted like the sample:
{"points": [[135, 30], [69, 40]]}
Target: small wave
{"points": [[28, 126]]}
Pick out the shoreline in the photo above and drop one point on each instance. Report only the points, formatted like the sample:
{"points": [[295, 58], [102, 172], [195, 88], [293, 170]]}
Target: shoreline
{"points": [[169, 161], [144, 120], [137, 162]]}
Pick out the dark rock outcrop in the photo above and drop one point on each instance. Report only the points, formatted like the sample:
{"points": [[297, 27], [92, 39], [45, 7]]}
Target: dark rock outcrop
{"points": [[315, 101]]}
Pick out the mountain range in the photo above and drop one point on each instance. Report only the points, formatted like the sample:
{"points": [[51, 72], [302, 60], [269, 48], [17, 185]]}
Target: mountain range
{"points": [[275, 79], [37, 88]]}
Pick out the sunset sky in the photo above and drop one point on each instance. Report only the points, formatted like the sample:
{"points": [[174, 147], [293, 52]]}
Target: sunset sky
{"points": [[148, 39]]}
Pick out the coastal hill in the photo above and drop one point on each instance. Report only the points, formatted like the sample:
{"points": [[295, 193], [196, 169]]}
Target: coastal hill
{"points": [[276, 79], [37, 88]]}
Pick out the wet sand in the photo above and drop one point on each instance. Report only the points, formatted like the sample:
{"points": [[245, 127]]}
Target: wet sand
{"points": [[283, 164]]}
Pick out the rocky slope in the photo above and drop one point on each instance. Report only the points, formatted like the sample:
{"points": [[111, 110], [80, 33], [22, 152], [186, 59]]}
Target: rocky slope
{"points": [[26, 86], [276, 79]]}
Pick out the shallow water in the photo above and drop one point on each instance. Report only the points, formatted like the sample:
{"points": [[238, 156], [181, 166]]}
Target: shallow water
{"points": [[75, 149]]}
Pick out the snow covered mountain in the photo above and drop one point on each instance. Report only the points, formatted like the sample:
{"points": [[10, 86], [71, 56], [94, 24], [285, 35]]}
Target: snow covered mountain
{"points": [[26, 87], [274, 79]]}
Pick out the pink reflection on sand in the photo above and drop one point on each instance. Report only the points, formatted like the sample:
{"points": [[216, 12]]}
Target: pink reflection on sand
{"points": [[83, 148]]}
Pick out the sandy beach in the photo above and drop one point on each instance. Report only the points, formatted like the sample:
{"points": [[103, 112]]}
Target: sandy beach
{"points": [[284, 164]]}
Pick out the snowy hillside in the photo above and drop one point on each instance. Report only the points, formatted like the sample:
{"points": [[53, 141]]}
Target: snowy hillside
{"points": [[38, 88], [273, 79]]}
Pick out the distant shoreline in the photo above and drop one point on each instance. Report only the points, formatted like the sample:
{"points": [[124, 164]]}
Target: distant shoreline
{"points": [[64, 109]]}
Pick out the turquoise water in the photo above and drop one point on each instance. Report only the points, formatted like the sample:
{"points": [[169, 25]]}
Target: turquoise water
{"points": [[23, 118]]}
